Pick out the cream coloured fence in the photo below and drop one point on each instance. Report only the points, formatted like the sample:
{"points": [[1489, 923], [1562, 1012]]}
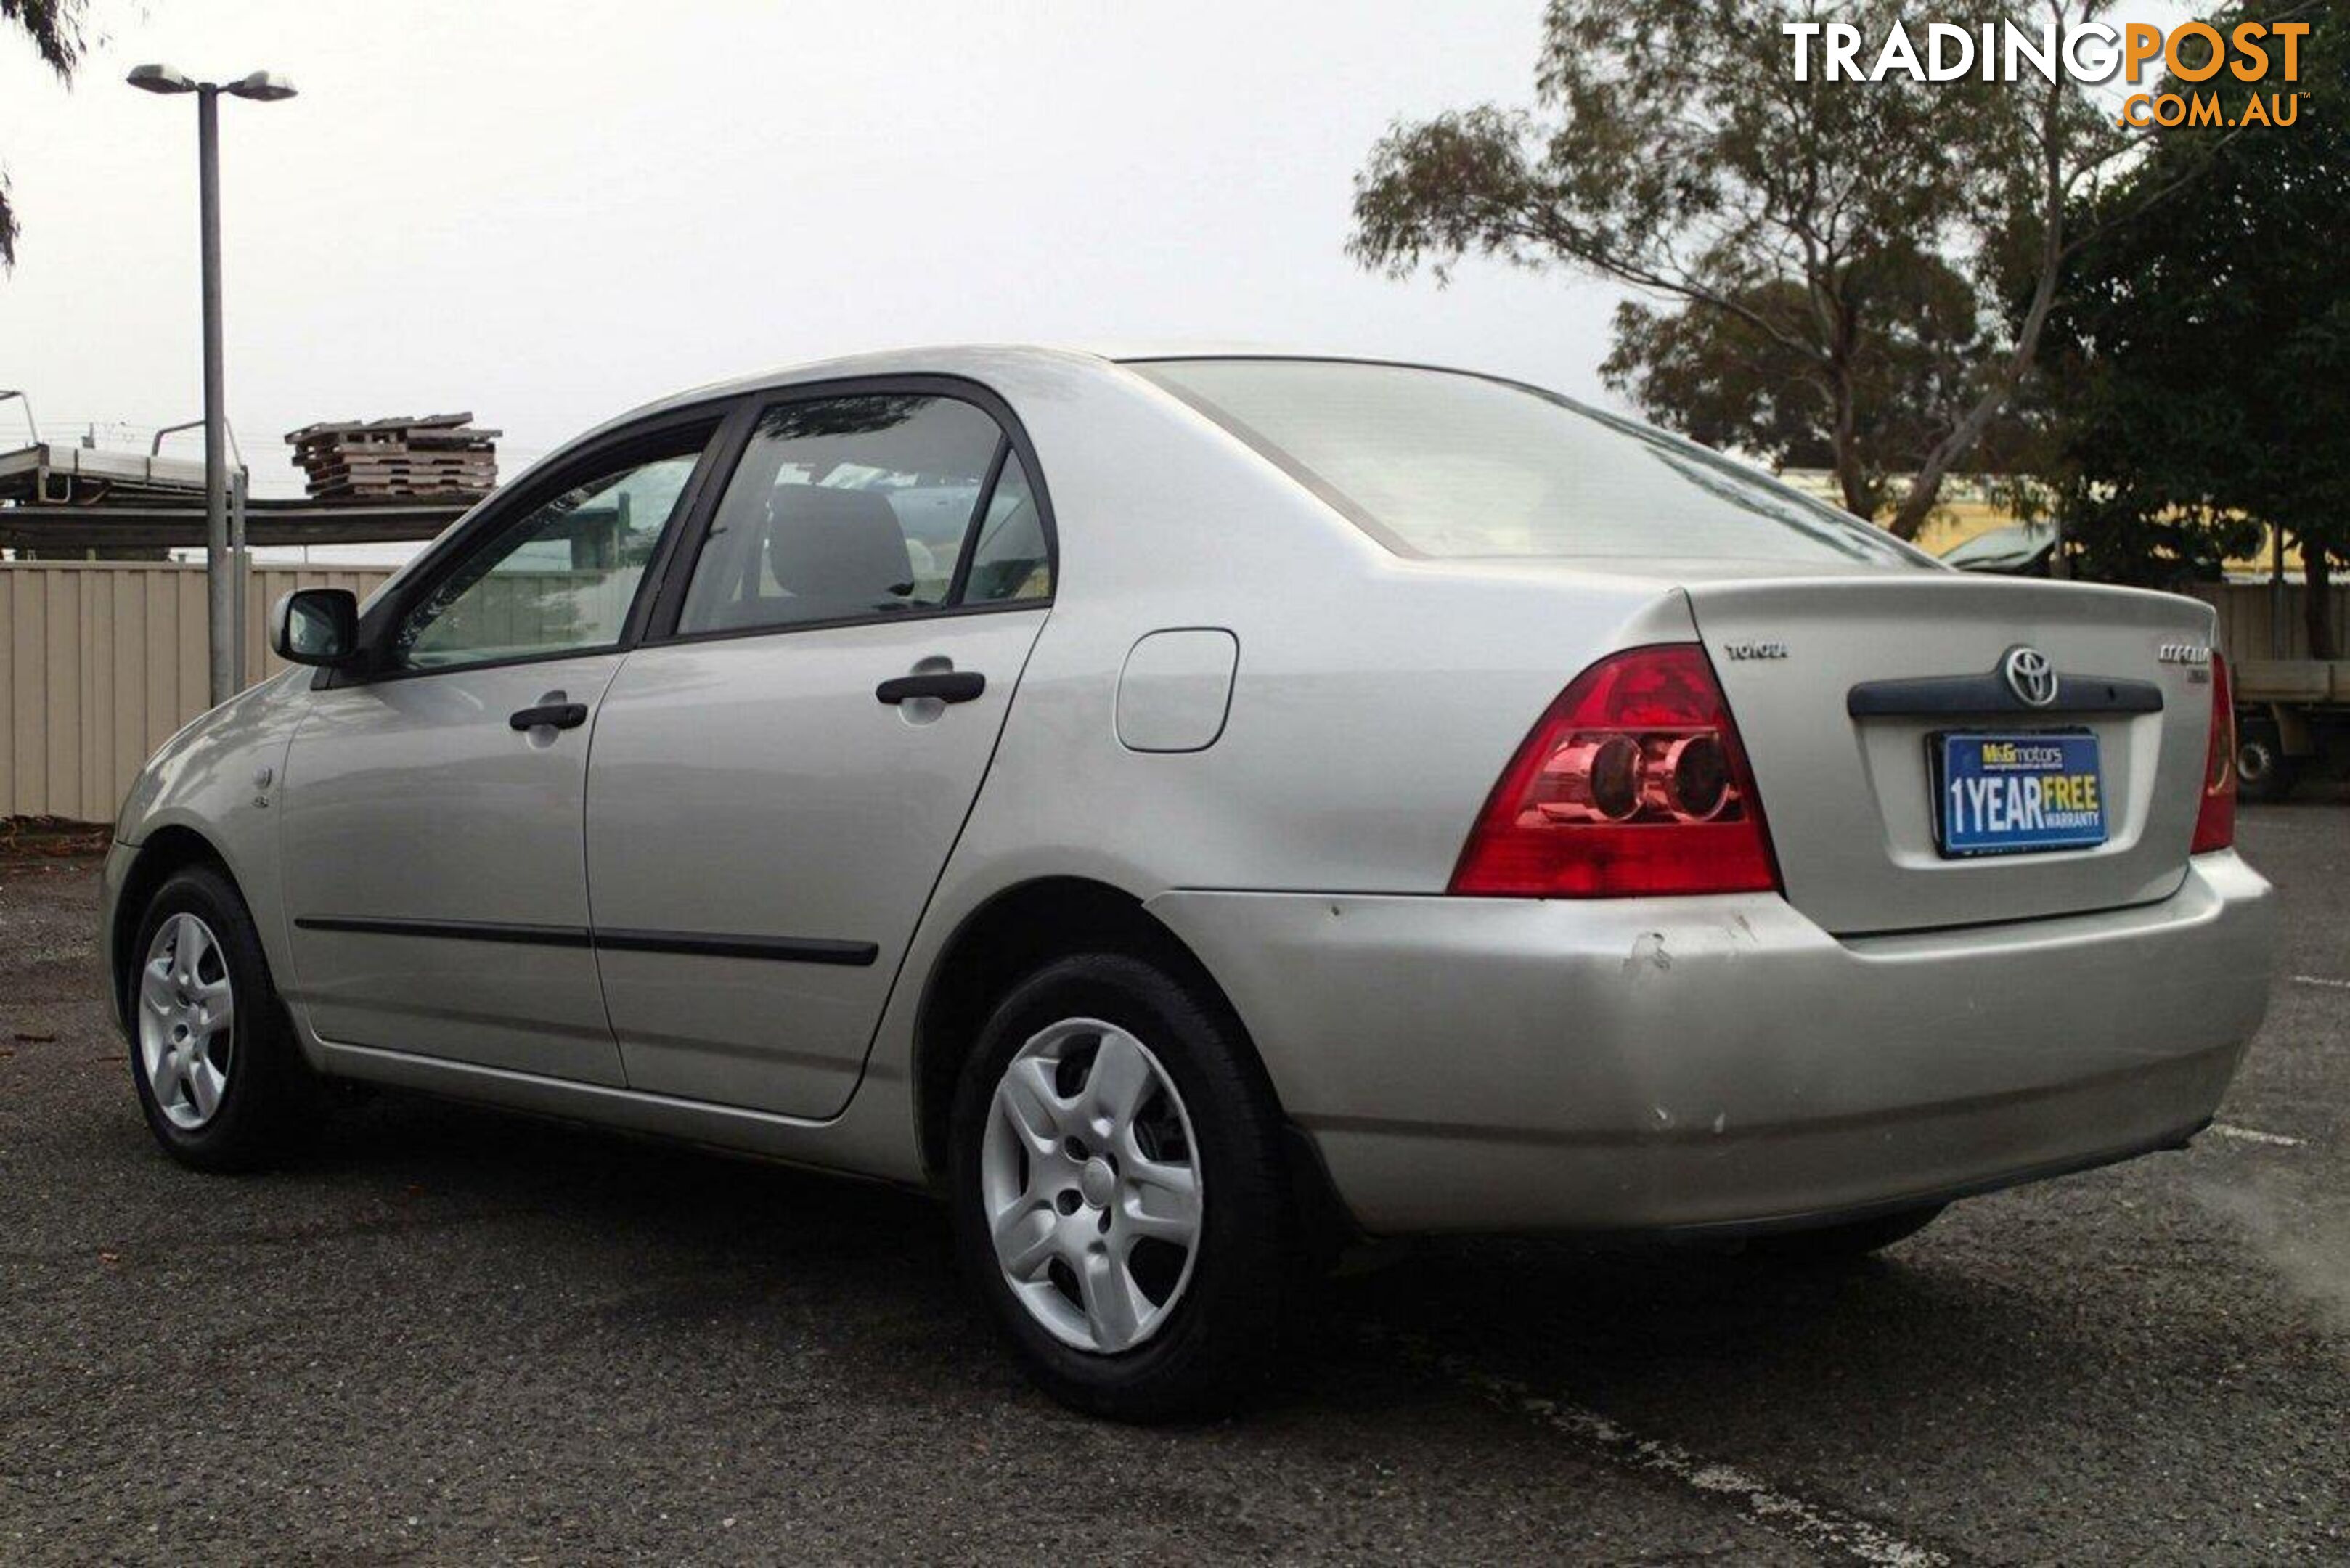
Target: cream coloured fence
{"points": [[101, 661]]}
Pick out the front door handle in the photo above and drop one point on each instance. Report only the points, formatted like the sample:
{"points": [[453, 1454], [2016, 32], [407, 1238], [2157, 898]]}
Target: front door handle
{"points": [[549, 716], [947, 686]]}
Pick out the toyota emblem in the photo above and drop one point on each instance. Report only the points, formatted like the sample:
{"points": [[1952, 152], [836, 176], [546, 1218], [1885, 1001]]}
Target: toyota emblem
{"points": [[2030, 677]]}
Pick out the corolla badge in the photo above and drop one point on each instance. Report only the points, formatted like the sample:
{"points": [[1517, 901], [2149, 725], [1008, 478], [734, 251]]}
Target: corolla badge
{"points": [[2029, 676]]}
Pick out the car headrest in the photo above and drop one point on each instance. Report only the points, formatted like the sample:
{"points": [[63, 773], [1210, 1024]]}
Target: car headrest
{"points": [[837, 548]]}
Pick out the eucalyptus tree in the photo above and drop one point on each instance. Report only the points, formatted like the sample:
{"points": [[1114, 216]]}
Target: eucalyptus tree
{"points": [[1858, 271], [55, 28], [2198, 368]]}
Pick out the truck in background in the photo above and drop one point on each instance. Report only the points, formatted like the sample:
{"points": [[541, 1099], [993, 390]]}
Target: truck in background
{"points": [[2292, 711]]}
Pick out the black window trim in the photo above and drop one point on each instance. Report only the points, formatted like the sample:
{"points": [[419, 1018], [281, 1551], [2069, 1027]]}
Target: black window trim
{"points": [[976, 524], [717, 418], [660, 628]]}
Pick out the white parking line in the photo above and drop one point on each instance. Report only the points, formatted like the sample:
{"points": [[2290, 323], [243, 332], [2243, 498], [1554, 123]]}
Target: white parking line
{"points": [[1815, 1524], [2253, 1134], [2321, 980]]}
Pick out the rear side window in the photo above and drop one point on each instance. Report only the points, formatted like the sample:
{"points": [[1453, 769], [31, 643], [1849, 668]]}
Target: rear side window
{"points": [[1009, 560], [855, 508], [1438, 463]]}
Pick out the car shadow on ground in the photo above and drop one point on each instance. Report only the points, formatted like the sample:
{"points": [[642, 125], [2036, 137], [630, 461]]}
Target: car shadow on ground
{"points": [[692, 1230], [640, 1191]]}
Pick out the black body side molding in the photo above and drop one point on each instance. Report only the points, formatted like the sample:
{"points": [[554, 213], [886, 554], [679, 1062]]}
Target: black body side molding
{"points": [[704, 944]]}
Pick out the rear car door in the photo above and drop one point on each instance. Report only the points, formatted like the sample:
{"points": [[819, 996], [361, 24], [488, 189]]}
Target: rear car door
{"points": [[432, 801], [782, 770]]}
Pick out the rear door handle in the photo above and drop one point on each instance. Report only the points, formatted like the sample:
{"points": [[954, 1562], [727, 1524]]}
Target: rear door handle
{"points": [[947, 686], [549, 716]]}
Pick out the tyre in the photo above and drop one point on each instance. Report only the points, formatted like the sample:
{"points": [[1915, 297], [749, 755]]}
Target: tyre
{"points": [[219, 1074], [1840, 1243], [1120, 1197], [2264, 773]]}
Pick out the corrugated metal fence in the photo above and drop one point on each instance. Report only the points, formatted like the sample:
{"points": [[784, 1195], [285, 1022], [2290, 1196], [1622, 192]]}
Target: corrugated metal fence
{"points": [[101, 661]]}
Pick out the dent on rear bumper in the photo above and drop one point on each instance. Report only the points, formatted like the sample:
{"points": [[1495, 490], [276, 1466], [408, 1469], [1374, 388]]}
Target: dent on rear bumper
{"points": [[1470, 1063]]}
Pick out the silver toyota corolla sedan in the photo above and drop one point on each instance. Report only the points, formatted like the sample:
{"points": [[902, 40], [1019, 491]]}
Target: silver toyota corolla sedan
{"points": [[1177, 807]]}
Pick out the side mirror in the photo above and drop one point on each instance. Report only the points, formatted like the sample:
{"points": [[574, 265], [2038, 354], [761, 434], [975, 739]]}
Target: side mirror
{"points": [[316, 626]]}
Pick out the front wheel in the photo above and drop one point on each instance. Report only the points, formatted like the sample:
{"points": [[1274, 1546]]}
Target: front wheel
{"points": [[218, 1073], [1119, 1193]]}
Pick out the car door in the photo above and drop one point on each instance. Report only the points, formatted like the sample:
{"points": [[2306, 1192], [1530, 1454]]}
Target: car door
{"points": [[432, 800], [781, 770]]}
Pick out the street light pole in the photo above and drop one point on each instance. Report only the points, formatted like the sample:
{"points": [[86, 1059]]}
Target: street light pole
{"points": [[219, 594], [222, 597]]}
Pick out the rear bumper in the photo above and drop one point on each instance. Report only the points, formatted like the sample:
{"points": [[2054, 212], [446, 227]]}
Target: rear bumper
{"points": [[1505, 1065]]}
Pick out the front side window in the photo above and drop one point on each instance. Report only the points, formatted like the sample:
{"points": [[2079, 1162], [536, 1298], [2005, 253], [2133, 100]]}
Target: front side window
{"points": [[1439, 462], [557, 580], [859, 508]]}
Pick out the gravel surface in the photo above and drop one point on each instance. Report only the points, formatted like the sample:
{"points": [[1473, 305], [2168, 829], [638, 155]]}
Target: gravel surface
{"points": [[454, 1335]]}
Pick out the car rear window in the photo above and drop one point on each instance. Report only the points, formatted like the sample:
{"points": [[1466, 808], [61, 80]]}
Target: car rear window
{"points": [[1442, 464]]}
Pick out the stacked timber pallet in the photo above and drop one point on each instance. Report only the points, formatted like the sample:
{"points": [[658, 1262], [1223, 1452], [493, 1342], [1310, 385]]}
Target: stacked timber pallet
{"points": [[372, 460]]}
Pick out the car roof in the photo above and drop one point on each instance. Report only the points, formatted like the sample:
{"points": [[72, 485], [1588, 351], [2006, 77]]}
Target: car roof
{"points": [[978, 360], [985, 363]]}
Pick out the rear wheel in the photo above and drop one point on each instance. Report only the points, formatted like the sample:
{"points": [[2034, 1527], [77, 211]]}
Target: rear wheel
{"points": [[2263, 772], [219, 1075], [1119, 1193], [1854, 1239]]}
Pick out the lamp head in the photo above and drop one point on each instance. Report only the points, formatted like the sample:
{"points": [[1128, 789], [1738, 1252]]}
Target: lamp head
{"points": [[160, 78], [262, 87]]}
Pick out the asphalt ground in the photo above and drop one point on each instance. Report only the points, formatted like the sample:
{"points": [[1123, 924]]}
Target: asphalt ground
{"points": [[455, 1335]]}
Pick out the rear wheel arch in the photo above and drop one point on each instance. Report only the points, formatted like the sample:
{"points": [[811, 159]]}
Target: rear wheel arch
{"points": [[1008, 937]]}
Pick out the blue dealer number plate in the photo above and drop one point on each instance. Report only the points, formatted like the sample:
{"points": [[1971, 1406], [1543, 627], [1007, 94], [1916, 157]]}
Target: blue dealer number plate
{"points": [[2003, 794]]}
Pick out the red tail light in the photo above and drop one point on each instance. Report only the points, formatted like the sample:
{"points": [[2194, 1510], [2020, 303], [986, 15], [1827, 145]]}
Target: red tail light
{"points": [[1633, 783], [2215, 823]]}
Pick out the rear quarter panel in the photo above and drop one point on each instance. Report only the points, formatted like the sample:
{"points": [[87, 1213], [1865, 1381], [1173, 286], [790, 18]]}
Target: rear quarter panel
{"points": [[1375, 703], [1375, 700]]}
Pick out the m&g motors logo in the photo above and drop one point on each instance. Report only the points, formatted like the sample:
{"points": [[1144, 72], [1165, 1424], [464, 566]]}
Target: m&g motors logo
{"points": [[2091, 53], [2009, 756]]}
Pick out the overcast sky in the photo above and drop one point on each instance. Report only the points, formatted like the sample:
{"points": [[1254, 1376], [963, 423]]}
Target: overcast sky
{"points": [[546, 214]]}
